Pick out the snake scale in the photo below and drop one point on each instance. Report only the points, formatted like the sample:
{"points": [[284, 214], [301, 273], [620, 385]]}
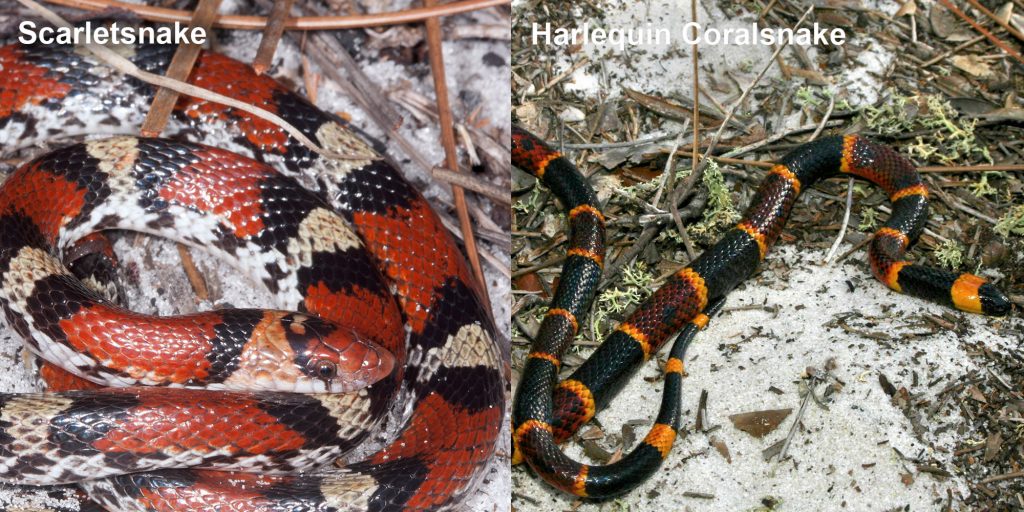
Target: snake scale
{"points": [[233, 409], [546, 412]]}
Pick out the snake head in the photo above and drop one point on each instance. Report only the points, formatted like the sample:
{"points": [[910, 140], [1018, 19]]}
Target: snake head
{"points": [[298, 353], [331, 358]]}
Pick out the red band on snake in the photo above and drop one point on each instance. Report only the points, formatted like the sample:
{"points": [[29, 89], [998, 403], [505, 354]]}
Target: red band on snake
{"points": [[385, 319], [546, 411]]}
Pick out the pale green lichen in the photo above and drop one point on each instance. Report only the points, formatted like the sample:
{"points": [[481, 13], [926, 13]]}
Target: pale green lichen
{"points": [[950, 254], [1012, 223], [634, 287], [868, 219], [805, 96], [982, 187], [530, 203], [951, 139], [720, 211]]}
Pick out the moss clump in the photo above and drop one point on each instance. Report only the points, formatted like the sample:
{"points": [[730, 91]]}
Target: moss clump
{"points": [[720, 212], [633, 288], [1012, 223], [950, 254], [950, 139]]}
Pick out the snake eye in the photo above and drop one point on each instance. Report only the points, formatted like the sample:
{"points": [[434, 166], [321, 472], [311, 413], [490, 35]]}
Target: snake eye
{"points": [[323, 369]]}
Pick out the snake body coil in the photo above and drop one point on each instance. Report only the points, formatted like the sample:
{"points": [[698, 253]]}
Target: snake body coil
{"points": [[546, 411], [389, 321]]}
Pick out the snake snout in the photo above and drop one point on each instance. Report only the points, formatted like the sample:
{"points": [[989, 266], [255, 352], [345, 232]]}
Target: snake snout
{"points": [[993, 300], [340, 360]]}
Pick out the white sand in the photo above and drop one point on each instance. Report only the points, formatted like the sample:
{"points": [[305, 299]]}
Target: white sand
{"points": [[828, 456]]}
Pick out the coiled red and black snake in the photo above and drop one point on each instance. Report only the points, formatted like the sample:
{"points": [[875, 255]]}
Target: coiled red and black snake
{"points": [[387, 311], [546, 411]]}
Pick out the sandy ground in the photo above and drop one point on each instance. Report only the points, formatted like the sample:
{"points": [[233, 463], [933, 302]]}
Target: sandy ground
{"points": [[842, 458], [855, 454], [472, 72]]}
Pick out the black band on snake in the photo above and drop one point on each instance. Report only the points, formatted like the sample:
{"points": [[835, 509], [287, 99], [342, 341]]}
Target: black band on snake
{"points": [[546, 411], [383, 317]]}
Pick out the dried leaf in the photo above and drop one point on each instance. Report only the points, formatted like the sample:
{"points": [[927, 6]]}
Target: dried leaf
{"points": [[773, 450], [992, 445], [976, 394], [597, 452], [909, 8], [759, 423], [529, 282], [973, 65], [946, 25], [1005, 12], [592, 433], [723, 450], [886, 385], [572, 115], [1003, 114]]}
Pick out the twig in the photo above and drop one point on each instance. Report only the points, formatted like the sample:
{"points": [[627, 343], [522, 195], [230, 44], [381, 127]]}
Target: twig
{"points": [[645, 238], [666, 178], [433, 28], [335, 58], [624, 144], [846, 222], [272, 36], [854, 249], [699, 170], [194, 277], [778, 136], [127, 67], [739, 101], [495, 262], [958, 48], [981, 30], [812, 380], [181, 65], [999, 21], [971, 168], [161, 14], [160, 111], [562, 76], [1004, 476], [825, 118], [673, 206], [468, 182], [696, 91]]}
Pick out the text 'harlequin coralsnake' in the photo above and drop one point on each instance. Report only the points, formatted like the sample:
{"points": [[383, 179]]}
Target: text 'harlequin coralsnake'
{"points": [[379, 315], [546, 412]]}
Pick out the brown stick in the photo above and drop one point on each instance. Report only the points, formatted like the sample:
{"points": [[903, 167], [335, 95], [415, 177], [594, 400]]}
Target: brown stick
{"points": [[160, 111], [194, 277], [1014, 32], [970, 168], [126, 66], [925, 168], [433, 28], [181, 65], [1004, 476], [151, 13], [466, 181], [982, 30], [272, 33]]}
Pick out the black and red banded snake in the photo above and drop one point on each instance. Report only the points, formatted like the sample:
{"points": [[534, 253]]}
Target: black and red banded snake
{"points": [[362, 250], [547, 411]]}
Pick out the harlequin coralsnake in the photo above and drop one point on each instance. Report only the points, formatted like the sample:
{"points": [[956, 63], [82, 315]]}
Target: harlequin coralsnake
{"points": [[546, 412], [386, 320]]}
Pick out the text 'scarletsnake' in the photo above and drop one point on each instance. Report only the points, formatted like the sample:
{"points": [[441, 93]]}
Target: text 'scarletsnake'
{"points": [[547, 411], [378, 315]]}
